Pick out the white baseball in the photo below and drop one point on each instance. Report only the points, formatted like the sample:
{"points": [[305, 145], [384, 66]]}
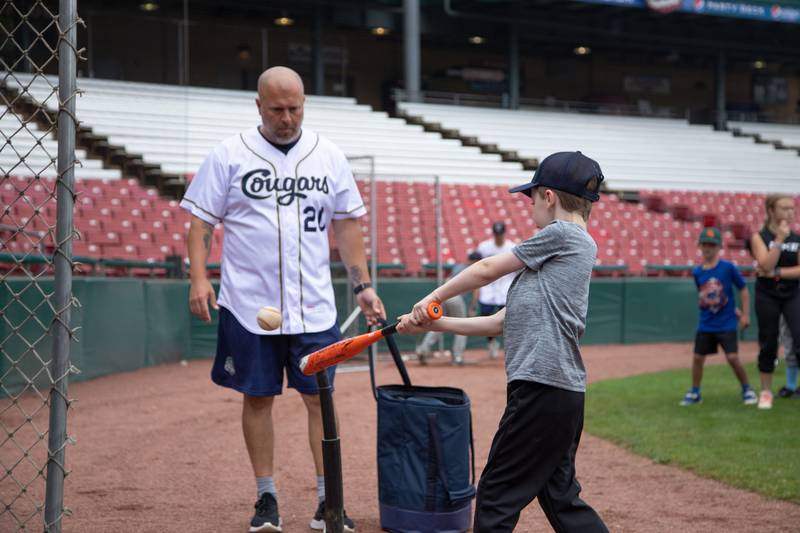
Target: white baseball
{"points": [[268, 318]]}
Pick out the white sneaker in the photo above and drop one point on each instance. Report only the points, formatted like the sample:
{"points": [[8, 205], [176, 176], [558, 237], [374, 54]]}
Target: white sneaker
{"points": [[493, 348], [765, 400]]}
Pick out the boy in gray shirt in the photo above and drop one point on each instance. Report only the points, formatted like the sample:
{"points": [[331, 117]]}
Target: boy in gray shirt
{"points": [[533, 451]]}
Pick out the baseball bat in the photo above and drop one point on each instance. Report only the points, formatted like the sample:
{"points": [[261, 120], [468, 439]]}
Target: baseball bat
{"points": [[347, 348]]}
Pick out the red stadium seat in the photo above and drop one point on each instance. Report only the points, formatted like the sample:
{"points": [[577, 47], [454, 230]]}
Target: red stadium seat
{"points": [[125, 219]]}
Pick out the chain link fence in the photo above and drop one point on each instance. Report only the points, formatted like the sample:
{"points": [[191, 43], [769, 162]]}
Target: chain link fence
{"points": [[37, 160]]}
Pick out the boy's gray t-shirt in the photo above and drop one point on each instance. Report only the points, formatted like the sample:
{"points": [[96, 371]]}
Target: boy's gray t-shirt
{"points": [[546, 307]]}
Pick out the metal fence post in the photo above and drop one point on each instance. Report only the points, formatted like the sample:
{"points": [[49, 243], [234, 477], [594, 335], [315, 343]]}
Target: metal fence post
{"points": [[437, 185], [62, 301]]}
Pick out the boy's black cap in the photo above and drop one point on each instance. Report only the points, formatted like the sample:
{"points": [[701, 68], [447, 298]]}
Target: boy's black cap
{"points": [[568, 172], [498, 228], [475, 256]]}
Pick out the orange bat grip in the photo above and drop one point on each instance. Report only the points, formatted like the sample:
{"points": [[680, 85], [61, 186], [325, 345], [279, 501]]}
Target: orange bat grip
{"points": [[435, 310]]}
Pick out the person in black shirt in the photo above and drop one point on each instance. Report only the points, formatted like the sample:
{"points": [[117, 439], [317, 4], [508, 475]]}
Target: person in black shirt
{"points": [[775, 248]]}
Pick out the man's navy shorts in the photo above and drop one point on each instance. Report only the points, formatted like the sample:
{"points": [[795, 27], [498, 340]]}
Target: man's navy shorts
{"points": [[254, 364]]}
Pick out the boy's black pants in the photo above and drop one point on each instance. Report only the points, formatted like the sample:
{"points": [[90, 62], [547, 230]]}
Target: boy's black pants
{"points": [[533, 456]]}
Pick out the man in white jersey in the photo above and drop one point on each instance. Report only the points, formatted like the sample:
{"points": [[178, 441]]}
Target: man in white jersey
{"points": [[491, 298], [276, 187]]}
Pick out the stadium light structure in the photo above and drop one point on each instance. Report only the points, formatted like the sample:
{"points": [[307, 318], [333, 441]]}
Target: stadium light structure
{"points": [[244, 53], [759, 64], [380, 23], [476, 39], [582, 50], [148, 6], [284, 20]]}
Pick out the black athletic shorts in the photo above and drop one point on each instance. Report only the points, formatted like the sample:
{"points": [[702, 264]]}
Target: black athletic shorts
{"points": [[705, 343]]}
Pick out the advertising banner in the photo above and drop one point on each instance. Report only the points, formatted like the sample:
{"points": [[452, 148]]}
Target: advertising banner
{"points": [[776, 11]]}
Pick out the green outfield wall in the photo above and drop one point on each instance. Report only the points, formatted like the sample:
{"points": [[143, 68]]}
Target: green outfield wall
{"points": [[128, 323]]}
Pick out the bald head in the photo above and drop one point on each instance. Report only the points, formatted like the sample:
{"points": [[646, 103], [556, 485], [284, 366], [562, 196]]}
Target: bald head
{"points": [[280, 78], [280, 103]]}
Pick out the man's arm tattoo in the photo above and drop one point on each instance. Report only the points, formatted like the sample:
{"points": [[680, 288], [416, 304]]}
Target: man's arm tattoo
{"points": [[355, 275], [207, 232]]}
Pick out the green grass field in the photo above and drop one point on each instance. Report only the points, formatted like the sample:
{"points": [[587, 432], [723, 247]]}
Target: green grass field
{"points": [[721, 438]]}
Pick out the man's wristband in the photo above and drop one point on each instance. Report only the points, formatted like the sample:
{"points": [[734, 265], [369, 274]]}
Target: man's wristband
{"points": [[777, 273], [361, 287]]}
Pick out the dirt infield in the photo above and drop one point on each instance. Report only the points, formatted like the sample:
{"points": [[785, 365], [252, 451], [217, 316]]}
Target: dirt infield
{"points": [[160, 450]]}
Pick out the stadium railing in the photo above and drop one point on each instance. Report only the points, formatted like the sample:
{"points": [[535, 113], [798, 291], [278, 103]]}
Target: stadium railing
{"points": [[121, 267], [336, 265], [683, 270], [552, 104], [97, 266], [430, 269]]}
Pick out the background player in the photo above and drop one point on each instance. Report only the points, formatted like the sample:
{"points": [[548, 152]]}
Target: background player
{"points": [[775, 248], [718, 322], [492, 297], [790, 357], [276, 188], [455, 307]]}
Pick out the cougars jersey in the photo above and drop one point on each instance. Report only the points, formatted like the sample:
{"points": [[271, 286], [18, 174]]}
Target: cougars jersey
{"points": [[276, 209]]}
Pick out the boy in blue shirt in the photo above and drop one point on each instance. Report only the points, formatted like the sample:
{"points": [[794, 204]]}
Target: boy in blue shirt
{"points": [[719, 318]]}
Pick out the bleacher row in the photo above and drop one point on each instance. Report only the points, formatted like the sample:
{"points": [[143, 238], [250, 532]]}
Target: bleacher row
{"points": [[176, 127], [634, 152], [122, 220], [787, 135]]}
